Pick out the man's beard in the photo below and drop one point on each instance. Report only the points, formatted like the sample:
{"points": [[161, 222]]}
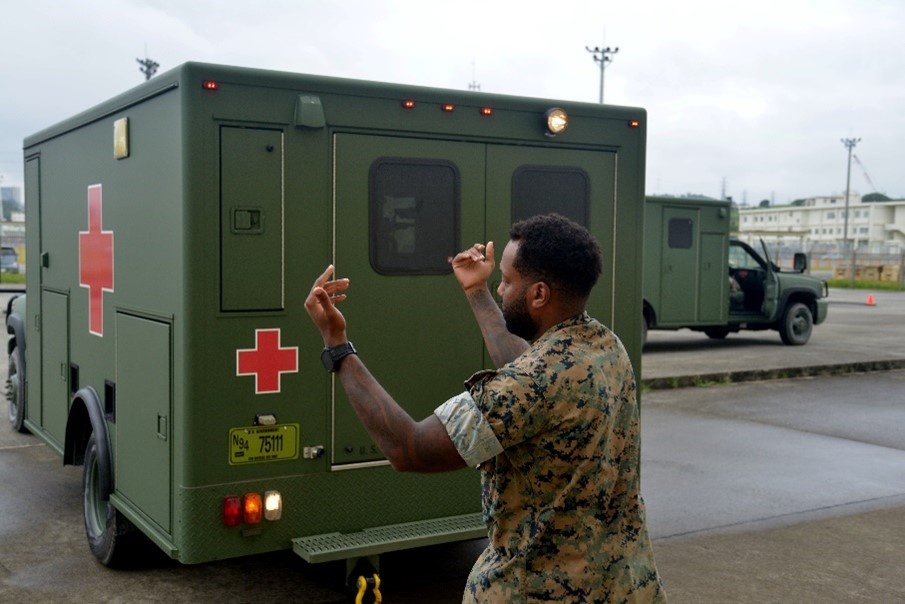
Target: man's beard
{"points": [[518, 320]]}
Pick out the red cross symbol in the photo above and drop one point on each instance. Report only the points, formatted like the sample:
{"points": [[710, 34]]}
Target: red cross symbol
{"points": [[267, 361], [96, 261]]}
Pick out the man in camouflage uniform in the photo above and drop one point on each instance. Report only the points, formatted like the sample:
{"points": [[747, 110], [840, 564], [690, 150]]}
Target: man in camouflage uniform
{"points": [[554, 430]]}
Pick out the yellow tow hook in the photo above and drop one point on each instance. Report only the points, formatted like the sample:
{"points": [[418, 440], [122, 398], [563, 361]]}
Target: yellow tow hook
{"points": [[363, 586]]}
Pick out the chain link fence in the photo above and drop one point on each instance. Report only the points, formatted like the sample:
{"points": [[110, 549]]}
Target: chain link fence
{"points": [[873, 262]]}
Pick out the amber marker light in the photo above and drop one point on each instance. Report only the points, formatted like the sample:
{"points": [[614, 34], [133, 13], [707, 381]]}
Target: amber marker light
{"points": [[634, 123], [408, 104], [487, 111], [448, 107], [252, 508], [210, 85]]}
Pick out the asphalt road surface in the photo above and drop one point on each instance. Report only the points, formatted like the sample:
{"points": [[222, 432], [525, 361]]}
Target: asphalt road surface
{"points": [[777, 490]]}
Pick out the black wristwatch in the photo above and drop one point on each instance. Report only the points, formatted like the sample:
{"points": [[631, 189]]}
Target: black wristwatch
{"points": [[332, 355]]}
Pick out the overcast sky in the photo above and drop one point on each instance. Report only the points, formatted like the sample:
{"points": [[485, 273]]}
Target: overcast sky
{"points": [[748, 97]]}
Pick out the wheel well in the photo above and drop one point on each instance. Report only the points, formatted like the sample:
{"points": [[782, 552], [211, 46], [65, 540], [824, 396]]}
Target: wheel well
{"points": [[806, 298], [647, 311], [78, 431], [85, 416]]}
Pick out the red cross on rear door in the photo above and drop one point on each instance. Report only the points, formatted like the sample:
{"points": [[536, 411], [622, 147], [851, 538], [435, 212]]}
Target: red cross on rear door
{"points": [[267, 361], [96, 260]]}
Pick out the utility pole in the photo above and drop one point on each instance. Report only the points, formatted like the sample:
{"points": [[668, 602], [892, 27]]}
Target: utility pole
{"points": [[849, 144], [473, 85], [148, 67], [602, 56]]}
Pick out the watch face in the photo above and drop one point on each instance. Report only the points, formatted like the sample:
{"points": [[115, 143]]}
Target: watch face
{"points": [[331, 357], [327, 360]]}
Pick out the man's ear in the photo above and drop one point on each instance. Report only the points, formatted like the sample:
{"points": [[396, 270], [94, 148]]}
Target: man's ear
{"points": [[539, 294]]}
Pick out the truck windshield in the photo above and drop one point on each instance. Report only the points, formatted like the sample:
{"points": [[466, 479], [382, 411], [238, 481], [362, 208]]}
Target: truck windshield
{"points": [[740, 257]]}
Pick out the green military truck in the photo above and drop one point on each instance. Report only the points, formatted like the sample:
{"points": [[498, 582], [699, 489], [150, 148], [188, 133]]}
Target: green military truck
{"points": [[173, 233], [697, 276]]}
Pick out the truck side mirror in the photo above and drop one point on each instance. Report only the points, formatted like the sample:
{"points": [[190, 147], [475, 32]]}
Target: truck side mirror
{"points": [[800, 262]]}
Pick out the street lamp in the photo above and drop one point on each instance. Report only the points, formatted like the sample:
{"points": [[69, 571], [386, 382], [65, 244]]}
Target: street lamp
{"points": [[849, 144], [602, 56]]}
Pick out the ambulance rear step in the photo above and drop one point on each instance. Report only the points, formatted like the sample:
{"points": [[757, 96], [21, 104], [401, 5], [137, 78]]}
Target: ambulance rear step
{"points": [[390, 538]]}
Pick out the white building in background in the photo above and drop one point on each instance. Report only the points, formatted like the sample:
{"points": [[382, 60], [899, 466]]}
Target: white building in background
{"points": [[873, 226]]}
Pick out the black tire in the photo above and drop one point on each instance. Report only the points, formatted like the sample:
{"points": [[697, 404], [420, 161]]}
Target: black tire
{"points": [[717, 333], [796, 325], [15, 393], [113, 540]]}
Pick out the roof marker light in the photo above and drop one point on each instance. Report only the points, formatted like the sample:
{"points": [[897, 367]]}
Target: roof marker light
{"points": [[408, 104], [486, 110], [448, 107], [634, 123], [210, 85]]}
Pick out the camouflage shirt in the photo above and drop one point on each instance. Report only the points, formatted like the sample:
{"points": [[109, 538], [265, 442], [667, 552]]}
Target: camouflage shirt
{"points": [[556, 436]]}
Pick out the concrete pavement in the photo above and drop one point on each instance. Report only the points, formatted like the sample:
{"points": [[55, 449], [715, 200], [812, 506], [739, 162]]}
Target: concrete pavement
{"points": [[788, 490]]}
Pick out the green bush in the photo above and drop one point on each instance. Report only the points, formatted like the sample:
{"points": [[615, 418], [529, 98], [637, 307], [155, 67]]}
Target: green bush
{"points": [[860, 284], [11, 278]]}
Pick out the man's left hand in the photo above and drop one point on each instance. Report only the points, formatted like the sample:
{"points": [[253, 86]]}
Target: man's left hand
{"points": [[321, 304]]}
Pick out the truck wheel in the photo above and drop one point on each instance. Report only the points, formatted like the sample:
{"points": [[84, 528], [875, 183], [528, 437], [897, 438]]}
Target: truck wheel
{"points": [[796, 325], [15, 394], [112, 538]]}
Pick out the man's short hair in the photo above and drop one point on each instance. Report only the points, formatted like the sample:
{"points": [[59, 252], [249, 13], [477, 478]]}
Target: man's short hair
{"points": [[558, 251]]}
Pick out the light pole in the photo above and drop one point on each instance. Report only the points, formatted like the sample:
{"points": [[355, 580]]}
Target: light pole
{"points": [[602, 56], [849, 144], [148, 67]]}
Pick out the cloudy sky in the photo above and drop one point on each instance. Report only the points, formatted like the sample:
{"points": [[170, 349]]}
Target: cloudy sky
{"points": [[750, 98]]}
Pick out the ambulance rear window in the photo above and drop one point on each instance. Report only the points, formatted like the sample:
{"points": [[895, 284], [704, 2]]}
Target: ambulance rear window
{"points": [[414, 215], [565, 190]]}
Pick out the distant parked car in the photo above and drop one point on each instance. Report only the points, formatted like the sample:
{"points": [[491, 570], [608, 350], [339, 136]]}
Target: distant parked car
{"points": [[9, 260]]}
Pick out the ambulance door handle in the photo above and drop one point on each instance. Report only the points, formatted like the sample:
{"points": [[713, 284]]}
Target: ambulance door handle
{"points": [[45, 259]]}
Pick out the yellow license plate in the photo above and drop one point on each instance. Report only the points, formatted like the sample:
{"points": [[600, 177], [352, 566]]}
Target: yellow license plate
{"points": [[256, 444]]}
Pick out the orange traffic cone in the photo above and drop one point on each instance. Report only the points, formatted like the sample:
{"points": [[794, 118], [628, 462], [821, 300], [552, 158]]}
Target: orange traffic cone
{"points": [[870, 300]]}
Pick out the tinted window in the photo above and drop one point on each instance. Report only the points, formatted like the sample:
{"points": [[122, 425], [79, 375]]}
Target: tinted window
{"points": [[545, 189], [681, 233], [414, 216]]}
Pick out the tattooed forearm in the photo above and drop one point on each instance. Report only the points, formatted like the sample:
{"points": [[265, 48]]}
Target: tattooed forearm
{"points": [[502, 345]]}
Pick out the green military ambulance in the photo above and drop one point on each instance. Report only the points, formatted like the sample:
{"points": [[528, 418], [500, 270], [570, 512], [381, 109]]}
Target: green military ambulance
{"points": [[173, 233]]}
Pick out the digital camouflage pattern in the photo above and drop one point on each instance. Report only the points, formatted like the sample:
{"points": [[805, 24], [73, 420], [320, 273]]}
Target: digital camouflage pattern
{"points": [[562, 502]]}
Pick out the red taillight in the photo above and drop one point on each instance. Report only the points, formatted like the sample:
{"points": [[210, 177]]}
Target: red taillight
{"points": [[232, 510], [253, 510], [210, 85]]}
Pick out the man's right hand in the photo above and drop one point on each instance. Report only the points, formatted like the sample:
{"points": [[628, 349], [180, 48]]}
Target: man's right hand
{"points": [[474, 266]]}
